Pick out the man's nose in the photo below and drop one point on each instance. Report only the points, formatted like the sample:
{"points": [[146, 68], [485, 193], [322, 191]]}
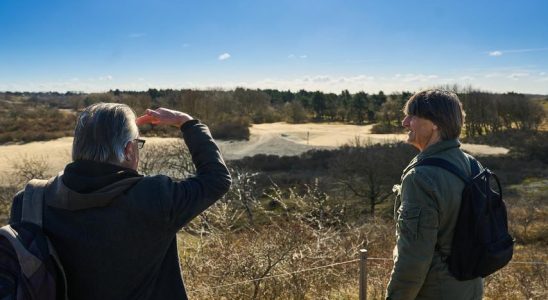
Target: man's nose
{"points": [[405, 121]]}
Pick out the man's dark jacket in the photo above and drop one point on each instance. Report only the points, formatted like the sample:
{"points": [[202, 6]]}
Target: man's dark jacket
{"points": [[115, 230]]}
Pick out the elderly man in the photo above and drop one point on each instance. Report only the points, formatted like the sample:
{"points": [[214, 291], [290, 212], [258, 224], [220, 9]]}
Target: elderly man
{"points": [[430, 201], [114, 229]]}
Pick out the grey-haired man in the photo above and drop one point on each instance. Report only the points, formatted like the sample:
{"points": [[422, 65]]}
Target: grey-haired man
{"points": [[114, 229]]}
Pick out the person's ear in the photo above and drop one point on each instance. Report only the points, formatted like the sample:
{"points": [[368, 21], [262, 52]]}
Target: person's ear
{"points": [[128, 151]]}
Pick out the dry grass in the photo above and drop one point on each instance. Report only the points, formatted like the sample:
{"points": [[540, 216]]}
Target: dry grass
{"points": [[292, 232], [288, 243]]}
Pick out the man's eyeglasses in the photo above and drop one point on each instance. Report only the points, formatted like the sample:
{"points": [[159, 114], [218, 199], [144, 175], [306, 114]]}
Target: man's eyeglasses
{"points": [[140, 143]]}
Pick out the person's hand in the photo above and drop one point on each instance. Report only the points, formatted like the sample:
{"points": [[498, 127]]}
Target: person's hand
{"points": [[163, 116]]}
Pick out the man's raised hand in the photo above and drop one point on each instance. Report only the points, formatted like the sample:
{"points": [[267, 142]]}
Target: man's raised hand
{"points": [[163, 116]]}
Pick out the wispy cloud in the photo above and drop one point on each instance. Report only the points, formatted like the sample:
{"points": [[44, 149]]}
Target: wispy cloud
{"points": [[185, 45], [293, 56], [104, 78], [136, 35], [519, 75], [224, 56], [362, 61], [466, 78], [501, 52], [415, 77]]}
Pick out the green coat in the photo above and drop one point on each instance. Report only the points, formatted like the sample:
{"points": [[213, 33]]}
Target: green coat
{"points": [[430, 200]]}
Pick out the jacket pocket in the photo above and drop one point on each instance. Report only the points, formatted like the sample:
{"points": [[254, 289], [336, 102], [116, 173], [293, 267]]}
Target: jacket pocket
{"points": [[408, 222]]}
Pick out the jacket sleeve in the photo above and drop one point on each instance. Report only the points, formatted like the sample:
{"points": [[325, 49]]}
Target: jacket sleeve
{"points": [[417, 228], [186, 199]]}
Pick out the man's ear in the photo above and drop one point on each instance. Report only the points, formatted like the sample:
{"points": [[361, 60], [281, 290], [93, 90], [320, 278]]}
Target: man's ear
{"points": [[128, 151]]}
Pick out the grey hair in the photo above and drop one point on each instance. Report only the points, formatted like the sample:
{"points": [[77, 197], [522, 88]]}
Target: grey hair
{"points": [[102, 132]]}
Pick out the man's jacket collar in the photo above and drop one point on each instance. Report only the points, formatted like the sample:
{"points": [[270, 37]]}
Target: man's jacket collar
{"points": [[432, 150], [439, 147], [87, 184]]}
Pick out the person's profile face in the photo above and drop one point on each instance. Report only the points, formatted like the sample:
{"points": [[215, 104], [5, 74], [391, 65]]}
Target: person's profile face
{"points": [[422, 132]]}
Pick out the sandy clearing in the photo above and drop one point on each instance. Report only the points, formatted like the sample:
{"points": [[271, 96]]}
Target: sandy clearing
{"points": [[273, 138], [56, 152]]}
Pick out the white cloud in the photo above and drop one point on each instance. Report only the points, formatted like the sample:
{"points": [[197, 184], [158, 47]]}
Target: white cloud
{"points": [[519, 75], [492, 75], [224, 56], [495, 53], [105, 78], [293, 56], [416, 77], [467, 78], [321, 79]]}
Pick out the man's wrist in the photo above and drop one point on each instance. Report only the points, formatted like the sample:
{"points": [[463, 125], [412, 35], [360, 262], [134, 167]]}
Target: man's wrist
{"points": [[189, 123], [183, 118]]}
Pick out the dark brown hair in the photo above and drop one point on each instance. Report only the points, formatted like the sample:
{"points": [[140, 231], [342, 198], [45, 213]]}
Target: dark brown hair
{"points": [[443, 108]]}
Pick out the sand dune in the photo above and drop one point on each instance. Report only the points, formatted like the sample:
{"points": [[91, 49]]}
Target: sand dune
{"points": [[273, 138]]}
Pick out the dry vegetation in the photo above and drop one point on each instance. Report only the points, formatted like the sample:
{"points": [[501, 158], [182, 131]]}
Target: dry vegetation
{"points": [[270, 238], [21, 123], [286, 218]]}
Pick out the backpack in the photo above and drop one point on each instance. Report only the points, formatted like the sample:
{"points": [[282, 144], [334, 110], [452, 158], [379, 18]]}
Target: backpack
{"points": [[481, 244], [29, 266]]}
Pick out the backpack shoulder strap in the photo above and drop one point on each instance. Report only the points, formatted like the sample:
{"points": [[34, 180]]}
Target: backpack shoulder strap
{"points": [[474, 165], [28, 262], [33, 202], [444, 164]]}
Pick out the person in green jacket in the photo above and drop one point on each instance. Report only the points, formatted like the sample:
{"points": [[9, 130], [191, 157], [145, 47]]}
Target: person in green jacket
{"points": [[428, 202]]}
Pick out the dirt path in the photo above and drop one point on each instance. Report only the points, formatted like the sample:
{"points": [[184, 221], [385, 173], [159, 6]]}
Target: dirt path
{"points": [[273, 138]]}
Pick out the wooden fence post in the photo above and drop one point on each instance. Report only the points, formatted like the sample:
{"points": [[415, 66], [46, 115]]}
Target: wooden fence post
{"points": [[363, 274]]}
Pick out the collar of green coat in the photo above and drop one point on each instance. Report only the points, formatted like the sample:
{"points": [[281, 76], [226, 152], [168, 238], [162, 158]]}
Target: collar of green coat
{"points": [[432, 150], [438, 147]]}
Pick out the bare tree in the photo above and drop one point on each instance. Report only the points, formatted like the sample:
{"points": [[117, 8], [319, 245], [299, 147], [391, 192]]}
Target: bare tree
{"points": [[172, 159], [243, 191], [369, 171]]}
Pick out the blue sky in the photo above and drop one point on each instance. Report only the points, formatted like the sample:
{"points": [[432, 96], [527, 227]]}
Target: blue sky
{"points": [[97, 45]]}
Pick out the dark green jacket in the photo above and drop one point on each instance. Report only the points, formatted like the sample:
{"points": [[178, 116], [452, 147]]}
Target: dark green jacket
{"points": [[115, 230], [430, 199]]}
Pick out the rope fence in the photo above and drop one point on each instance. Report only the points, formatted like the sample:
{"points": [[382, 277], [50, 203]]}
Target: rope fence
{"points": [[363, 272], [277, 275]]}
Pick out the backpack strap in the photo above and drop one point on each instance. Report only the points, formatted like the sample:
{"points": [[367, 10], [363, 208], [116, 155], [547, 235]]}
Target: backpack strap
{"points": [[474, 166], [33, 211], [444, 164], [29, 262], [33, 202]]}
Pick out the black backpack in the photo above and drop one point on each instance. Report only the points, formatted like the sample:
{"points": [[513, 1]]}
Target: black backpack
{"points": [[29, 265], [481, 244]]}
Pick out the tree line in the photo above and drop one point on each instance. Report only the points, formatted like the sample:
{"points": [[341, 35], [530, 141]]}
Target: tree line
{"points": [[231, 112]]}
